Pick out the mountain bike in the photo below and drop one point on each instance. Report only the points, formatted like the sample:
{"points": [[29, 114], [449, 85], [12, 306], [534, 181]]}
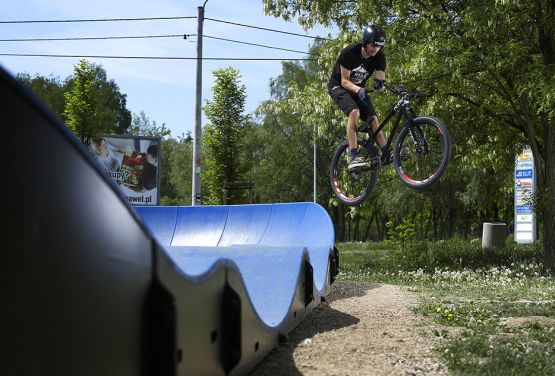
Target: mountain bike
{"points": [[420, 156]]}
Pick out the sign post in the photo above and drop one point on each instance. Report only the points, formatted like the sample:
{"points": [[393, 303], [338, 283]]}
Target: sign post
{"points": [[525, 187]]}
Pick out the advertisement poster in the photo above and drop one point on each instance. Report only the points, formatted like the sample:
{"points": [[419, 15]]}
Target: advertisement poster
{"points": [[525, 185], [132, 162]]}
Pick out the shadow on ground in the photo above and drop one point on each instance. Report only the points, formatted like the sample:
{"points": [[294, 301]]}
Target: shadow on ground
{"points": [[280, 361]]}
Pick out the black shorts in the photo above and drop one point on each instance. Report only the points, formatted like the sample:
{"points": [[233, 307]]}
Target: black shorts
{"points": [[348, 101]]}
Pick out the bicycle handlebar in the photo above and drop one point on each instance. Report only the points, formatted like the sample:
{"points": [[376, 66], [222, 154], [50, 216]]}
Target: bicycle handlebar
{"points": [[400, 91], [403, 92]]}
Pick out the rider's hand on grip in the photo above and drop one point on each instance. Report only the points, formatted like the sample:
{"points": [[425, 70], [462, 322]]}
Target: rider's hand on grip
{"points": [[361, 94], [378, 85]]}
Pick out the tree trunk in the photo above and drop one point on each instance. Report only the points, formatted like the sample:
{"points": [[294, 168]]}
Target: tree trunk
{"points": [[336, 222], [368, 225], [348, 220], [356, 229], [451, 222], [434, 220], [427, 228]]}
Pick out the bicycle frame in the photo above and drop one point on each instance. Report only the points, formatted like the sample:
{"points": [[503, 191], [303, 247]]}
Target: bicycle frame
{"points": [[404, 111]]}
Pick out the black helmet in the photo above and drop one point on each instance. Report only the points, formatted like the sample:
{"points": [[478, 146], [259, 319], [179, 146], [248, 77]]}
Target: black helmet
{"points": [[373, 34]]}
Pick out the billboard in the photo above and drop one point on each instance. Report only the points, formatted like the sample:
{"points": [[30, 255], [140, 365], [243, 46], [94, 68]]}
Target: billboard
{"points": [[525, 186], [132, 162]]}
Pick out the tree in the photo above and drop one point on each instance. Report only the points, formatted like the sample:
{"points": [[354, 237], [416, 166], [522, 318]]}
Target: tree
{"points": [[143, 126], [48, 89], [223, 137], [113, 113], [94, 104], [175, 170], [493, 59], [82, 104], [281, 146], [282, 142]]}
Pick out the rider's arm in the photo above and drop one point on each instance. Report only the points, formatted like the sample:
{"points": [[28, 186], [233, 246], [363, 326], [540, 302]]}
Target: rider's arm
{"points": [[345, 82], [380, 75]]}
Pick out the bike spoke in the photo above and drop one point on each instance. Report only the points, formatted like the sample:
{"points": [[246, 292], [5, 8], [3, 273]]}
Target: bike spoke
{"points": [[351, 186], [421, 159]]}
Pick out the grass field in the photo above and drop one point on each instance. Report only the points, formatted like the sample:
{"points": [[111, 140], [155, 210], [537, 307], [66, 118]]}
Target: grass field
{"points": [[496, 306]]}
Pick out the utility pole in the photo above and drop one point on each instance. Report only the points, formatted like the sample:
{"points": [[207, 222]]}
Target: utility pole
{"points": [[314, 159], [197, 155]]}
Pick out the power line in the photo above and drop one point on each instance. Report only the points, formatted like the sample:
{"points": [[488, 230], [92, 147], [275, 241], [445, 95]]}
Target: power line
{"points": [[157, 18], [158, 57], [98, 20], [184, 36], [257, 45], [264, 28]]}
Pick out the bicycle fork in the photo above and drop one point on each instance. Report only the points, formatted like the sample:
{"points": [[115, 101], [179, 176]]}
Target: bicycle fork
{"points": [[416, 134]]}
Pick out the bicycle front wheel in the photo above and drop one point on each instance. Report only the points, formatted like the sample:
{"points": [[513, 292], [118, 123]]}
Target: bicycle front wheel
{"points": [[353, 187], [421, 156]]}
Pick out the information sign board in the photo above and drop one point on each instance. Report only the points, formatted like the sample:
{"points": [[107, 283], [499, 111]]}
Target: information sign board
{"points": [[525, 187]]}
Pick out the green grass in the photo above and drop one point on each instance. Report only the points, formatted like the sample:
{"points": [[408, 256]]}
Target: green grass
{"points": [[478, 298]]}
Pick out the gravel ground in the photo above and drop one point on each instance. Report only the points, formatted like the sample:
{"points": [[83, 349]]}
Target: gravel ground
{"points": [[362, 329]]}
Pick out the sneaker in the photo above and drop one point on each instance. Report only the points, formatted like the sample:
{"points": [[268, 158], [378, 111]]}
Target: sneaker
{"points": [[358, 163]]}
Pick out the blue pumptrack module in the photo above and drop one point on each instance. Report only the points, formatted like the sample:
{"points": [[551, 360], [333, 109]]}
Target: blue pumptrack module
{"points": [[94, 286]]}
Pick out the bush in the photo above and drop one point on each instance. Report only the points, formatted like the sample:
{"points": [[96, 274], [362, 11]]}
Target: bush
{"points": [[454, 254]]}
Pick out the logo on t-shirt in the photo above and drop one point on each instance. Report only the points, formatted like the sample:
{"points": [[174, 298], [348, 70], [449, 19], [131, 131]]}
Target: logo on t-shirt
{"points": [[359, 75]]}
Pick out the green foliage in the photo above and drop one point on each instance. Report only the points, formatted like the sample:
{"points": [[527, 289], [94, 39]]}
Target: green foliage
{"points": [[87, 101], [455, 254], [489, 70], [494, 315], [400, 233], [223, 138], [282, 149], [143, 126], [176, 171], [48, 89], [282, 142], [112, 115], [82, 104]]}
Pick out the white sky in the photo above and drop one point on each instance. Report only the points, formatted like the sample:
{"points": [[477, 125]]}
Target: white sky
{"points": [[163, 89]]}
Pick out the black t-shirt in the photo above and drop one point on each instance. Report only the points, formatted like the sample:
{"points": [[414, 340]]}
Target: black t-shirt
{"points": [[361, 69]]}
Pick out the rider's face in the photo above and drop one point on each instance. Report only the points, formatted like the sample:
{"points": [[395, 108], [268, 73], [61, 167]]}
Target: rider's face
{"points": [[372, 49]]}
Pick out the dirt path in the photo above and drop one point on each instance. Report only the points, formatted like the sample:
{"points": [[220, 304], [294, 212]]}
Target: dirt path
{"points": [[363, 329]]}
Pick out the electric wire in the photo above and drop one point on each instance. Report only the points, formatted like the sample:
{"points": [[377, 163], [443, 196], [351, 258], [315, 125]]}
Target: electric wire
{"points": [[155, 19], [158, 57], [258, 45], [264, 28], [98, 20], [184, 36]]}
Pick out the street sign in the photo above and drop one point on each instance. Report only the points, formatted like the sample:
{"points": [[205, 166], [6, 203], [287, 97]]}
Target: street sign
{"points": [[525, 187]]}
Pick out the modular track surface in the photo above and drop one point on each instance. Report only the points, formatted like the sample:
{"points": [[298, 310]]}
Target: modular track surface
{"points": [[93, 286]]}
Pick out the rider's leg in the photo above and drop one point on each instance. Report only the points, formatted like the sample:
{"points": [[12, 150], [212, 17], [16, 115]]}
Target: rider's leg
{"points": [[387, 155], [380, 138], [352, 122]]}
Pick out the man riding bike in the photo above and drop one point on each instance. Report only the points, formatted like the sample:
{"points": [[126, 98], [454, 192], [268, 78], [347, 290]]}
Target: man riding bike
{"points": [[346, 86]]}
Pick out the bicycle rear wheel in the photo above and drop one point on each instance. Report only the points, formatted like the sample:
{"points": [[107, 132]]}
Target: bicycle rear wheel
{"points": [[352, 188], [421, 158]]}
